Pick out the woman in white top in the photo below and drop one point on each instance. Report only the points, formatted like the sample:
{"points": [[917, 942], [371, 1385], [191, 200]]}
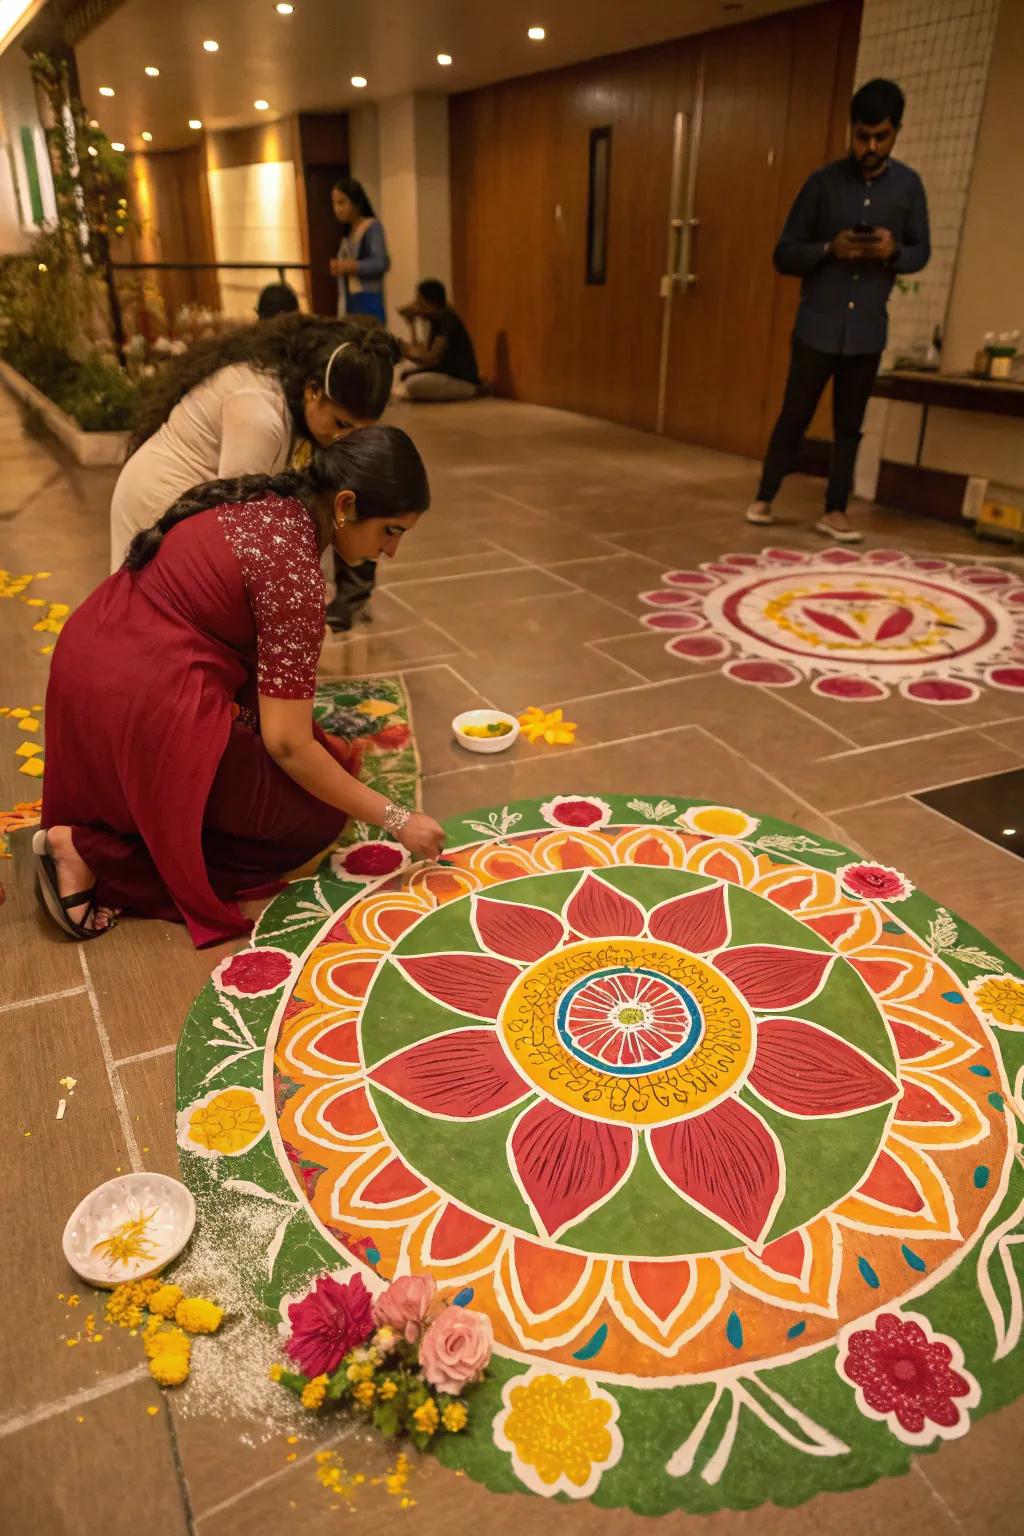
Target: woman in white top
{"points": [[234, 405]]}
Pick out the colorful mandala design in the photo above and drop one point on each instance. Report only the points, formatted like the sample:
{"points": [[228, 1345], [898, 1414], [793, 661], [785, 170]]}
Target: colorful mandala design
{"points": [[859, 624], [722, 1140]]}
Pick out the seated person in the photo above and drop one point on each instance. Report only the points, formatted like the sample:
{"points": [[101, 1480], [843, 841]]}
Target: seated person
{"points": [[277, 299], [444, 368]]}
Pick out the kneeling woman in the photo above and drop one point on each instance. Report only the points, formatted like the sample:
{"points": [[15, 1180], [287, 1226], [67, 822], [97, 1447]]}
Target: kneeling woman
{"points": [[166, 794]]}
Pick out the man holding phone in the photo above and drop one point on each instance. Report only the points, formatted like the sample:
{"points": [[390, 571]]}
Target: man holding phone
{"points": [[854, 226]]}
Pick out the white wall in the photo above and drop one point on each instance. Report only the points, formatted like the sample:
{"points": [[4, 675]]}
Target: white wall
{"points": [[255, 218], [17, 110], [938, 51], [414, 194]]}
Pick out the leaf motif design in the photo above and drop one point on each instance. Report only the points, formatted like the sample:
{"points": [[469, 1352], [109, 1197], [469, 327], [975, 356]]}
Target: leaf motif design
{"points": [[275, 1244], [653, 812], [793, 1427], [995, 1254], [979, 958], [779, 842], [942, 930]]}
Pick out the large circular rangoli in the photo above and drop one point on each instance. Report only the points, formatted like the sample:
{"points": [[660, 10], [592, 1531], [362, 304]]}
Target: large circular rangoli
{"points": [[859, 624], [715, 1120]]}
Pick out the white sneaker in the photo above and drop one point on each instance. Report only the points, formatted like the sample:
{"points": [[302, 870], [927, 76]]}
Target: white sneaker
{"points": [[760, 512], [841, 535]]}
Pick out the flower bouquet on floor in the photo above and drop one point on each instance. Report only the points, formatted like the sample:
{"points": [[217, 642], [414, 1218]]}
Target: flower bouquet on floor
{"points": [[400, 1360]]}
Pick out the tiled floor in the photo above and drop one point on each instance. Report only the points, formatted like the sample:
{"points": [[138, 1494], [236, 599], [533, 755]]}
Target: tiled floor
{"points": [[519, 588]]}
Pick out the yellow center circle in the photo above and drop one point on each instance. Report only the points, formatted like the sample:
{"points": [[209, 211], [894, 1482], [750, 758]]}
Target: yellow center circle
{"points": [[714, 1067]]}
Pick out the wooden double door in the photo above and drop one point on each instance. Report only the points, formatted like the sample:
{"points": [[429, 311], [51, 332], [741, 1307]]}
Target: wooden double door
{"points": [[711, 137]]}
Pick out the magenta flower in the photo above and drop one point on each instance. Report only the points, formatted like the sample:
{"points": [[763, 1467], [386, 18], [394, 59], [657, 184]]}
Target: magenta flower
{"points": [[329, 1321]]}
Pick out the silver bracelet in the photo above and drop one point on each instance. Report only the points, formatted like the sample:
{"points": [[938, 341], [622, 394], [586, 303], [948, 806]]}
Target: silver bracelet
{"points": [[395, 818]]}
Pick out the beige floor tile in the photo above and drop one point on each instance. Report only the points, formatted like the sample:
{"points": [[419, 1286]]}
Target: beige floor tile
{"points": [[858, 778], [966, 873], [364, 652], [516, 678], [395, 574], [978, 1478], [149, 1096], [112, 1474], [436, 696], [516, 626], [447, 598], [36, 959], [619, 578], [1009, 733], [645, 654]]}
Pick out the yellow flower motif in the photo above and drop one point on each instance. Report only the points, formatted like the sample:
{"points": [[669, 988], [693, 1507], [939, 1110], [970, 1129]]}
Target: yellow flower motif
{"points": [[1000, 1000], [560, 1431], [550, 726], [197, 1315], [376, 708], [387, 1390], [313, 1392], [426, 1417], [226, 1123], [365, 1393], [164, 1301], [455, 1417], [718, 821]]}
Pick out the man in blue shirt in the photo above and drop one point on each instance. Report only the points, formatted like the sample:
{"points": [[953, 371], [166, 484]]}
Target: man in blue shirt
{"points": [[854, 226]]}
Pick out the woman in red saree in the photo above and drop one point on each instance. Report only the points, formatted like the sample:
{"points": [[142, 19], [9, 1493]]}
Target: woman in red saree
{"points": [[184, 771]]}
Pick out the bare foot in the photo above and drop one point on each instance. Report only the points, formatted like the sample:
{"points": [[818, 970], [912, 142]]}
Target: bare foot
{"points": [[74, 874]]}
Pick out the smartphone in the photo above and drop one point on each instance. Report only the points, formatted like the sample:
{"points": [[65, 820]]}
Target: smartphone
{"points": [[864, 229]]}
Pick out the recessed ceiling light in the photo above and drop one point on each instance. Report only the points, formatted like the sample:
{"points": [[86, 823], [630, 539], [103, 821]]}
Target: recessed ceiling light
{"points": [[1009, 831], [152, 71], [147, 138], [211, 46], [93, 150], [118, 147], [536, 34], [444, 58], [261, 105], [284, 9], [195, 122], [359, 81], [106, 90]]}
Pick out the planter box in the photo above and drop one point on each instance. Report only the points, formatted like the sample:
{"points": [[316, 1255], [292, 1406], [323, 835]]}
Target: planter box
{"points": [[84, 447]]}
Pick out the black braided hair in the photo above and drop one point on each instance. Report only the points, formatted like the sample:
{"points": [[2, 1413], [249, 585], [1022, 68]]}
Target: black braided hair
{"points": [[298, 349], [380, 465]]}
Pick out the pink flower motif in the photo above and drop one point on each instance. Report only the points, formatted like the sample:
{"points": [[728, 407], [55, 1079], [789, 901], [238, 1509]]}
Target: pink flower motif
{"points": [[875, 882], [456, 1349], [910, 1378], [405, 1304], [329, 1321], [367, 861], [577, 811], [254, 972]]}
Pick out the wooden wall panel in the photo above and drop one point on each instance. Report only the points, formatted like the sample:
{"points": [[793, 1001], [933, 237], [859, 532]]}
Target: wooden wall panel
{"points": [[169, 197], [519, 189]]}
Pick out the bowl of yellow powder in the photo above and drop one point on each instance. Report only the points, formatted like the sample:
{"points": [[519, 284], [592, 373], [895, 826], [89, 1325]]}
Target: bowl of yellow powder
{"points": [[485, 730]]}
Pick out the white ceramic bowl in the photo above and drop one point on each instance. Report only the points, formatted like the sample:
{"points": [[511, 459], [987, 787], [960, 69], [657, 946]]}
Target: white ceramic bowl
{"points": [[163, 1205], [485, 744]]}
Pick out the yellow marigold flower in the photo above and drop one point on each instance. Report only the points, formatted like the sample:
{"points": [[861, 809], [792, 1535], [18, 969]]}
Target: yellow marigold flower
{"points": [[197, 1315], [455, 1417], [168, 1342], [387, 1390], [366, 1372], [353, 1373], [276, 1372], [165, 1299], [365, 1393], [426, 1417], [313, 1392], [170, 1367]]}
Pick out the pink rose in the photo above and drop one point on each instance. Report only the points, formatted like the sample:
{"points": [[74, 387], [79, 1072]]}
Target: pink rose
{"points": [[876, 882], [405, 1304], [327, 1323], [456, 1348]]}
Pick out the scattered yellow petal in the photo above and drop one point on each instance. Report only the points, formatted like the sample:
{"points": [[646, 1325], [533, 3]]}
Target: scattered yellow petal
{"points": [[290, 1456], [30, 723], [26, 1133], [74, 1299], [71, 1343], [44, 650], [96, 1337], [28, 749], [152, 1411], [42, 575], [69, 1083], [34, 602], [33, 766], [293, 1439], [19, 714], [79, 1418]]}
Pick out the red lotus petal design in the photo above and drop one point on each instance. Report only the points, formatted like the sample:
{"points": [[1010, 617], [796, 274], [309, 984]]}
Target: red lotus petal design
{"points": [[567, 1164], [805, 1070], [725, 1161], [474, 984], [774, 977], [698, 922], [597, 911], [517, 931], [464, 1073]]}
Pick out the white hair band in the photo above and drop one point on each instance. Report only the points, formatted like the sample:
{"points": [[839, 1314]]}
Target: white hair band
{"points": [[330, 365]]}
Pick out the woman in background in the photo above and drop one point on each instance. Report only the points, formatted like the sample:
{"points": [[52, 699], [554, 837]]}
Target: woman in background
{"points": [[163, 794], [234, 404], [362, 258]]}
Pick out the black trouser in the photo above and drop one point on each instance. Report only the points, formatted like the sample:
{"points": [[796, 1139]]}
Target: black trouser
{"points": [[354, 588], [809, 372]]}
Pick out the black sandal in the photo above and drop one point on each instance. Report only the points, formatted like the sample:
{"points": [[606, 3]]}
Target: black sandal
{"points": [[57, 906]]}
